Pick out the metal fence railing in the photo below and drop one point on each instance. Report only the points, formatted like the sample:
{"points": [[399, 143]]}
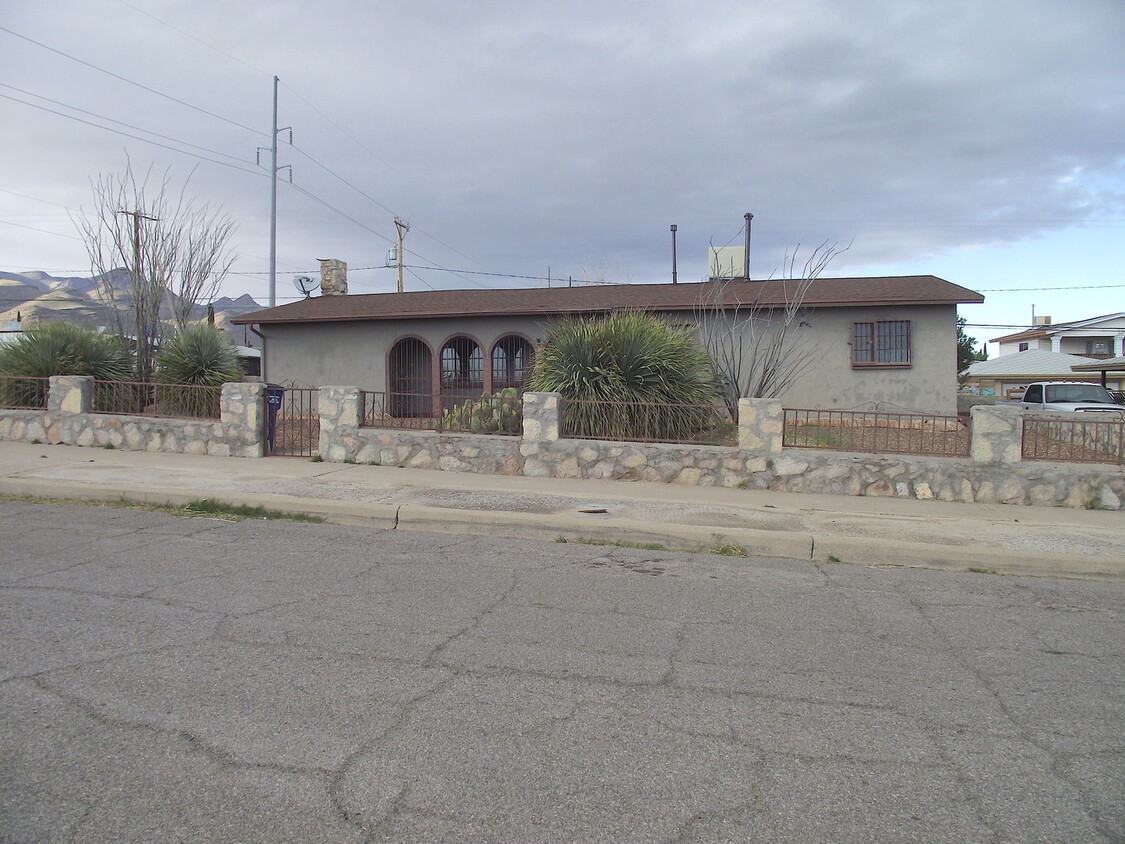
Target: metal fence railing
{"points": [[1075, 440], [20, 393], [488, 414], [135, 398], [697, 424], [876, 432]]}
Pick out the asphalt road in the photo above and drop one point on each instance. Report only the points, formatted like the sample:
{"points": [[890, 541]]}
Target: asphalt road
{"points": [[169, 679]]}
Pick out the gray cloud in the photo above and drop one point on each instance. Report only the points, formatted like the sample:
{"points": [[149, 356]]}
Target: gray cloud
{"points": [[517, 136]]}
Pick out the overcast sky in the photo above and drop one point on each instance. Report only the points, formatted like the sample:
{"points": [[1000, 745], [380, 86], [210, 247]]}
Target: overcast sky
{"points": [[980, 141]]}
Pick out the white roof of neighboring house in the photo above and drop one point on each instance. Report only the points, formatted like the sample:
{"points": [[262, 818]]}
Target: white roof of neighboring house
{"points": [[1116, 364], [1032, 362]]}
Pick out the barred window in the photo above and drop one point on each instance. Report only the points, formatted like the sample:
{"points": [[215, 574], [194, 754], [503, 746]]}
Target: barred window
{"points": [[883, 343]]}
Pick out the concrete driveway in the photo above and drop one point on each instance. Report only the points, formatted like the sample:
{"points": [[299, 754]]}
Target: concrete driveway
{"points": [[169, 679]]}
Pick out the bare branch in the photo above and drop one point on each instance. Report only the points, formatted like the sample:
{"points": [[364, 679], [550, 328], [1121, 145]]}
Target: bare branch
{"points": [[175, 253], [761, 349]]}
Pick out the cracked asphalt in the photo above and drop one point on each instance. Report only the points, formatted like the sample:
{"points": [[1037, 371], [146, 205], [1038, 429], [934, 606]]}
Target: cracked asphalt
{"points": [[170, 679]]}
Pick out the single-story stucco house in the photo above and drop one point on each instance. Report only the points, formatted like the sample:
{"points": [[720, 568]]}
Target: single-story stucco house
{"points": [[890, 340]]}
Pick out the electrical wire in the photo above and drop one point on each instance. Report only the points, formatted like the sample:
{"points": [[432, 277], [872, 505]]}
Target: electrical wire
{"points": [[134, 137], [121, 123], [44, 231], [133, 83]]}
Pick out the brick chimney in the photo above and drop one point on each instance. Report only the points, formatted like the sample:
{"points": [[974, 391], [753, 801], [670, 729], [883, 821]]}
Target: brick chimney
{"points": [[333, 277]]}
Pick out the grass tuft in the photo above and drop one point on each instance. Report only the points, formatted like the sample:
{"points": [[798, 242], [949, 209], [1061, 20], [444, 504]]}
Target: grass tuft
{"points": [[729, 550], [211, 507]]}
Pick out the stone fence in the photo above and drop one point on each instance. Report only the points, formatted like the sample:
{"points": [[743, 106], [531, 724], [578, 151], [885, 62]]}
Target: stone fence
{"points": [[239, 431], [995, 471]]}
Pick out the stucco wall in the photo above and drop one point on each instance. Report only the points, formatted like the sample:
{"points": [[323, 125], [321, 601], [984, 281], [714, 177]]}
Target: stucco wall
{"points": [[317, 354]]}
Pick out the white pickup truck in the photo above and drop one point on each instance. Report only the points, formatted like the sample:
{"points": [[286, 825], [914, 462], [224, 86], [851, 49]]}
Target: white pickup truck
{"points": [[1069, 396]]}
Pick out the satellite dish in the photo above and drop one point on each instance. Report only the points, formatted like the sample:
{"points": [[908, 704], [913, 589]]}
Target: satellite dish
{"points": [[305, 284]]}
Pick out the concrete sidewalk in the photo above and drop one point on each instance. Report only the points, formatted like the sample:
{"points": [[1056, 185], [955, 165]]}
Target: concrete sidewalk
{"points": [[824, 528]]}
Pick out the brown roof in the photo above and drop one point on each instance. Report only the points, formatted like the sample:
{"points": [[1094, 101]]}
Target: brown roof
{"points": [[824, 293]]}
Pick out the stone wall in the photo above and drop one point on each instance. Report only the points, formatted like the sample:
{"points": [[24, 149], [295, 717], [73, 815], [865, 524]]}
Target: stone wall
{"points": [[994, 473], [239, 431]]}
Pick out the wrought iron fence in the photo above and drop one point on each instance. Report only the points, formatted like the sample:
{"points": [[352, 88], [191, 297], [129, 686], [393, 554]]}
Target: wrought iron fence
{"points": [[698, 424], [136, 398], [876, 432], [19, 393], [1077, 440], [297, 423], [488, 414]]}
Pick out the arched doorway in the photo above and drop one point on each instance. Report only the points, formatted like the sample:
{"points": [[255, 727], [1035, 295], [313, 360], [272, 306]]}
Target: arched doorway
{"points": [[511, 362], [462, 371], [410, 386]]}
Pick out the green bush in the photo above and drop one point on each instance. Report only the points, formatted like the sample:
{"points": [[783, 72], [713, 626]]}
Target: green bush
{"points": [[200, 356], [607, 366], [197, 354], [59, 348]]}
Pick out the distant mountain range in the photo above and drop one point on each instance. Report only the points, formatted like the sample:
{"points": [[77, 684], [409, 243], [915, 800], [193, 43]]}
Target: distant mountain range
{"points": [[35, 297]]}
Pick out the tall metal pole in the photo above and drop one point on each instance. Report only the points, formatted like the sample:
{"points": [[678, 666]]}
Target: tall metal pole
{"points": [[273, 202], [748, 217], [402, 228], [674, 227]]}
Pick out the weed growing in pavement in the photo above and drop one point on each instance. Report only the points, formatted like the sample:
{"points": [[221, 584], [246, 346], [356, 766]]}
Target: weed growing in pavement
{"points": [[203, 507], [617, 543], [832, 558], [211, 507], [729, 550], [108, 445], [977, 570], [316, 458]]}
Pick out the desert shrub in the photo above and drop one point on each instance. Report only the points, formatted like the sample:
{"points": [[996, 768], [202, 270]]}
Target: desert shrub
{"points": [[604, 367]]}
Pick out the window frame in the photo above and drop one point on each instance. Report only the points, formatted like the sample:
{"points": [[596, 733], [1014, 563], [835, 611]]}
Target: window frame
{"points": [[872, 343]]}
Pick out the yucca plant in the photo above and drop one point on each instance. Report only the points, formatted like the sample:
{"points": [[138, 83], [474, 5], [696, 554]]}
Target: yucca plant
{"points": [[606, 365], [58, 348], [197, 355]]}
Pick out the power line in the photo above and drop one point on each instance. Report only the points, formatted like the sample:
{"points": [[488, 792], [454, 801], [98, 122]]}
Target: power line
{"points": [[132, 82], [121, 123], [1037, 289], [45, 231], [134, 137], [193, 38]]}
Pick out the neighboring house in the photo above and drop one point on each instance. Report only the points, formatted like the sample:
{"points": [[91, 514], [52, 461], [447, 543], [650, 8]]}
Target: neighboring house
{"points": [[1097, 337], [1007, 376], [887, 340]]}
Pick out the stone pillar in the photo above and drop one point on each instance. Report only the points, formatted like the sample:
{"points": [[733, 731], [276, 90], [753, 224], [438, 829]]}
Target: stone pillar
{"points": [[997, 434], [70, 394], [541, 417], [339, 415], [242, 415], [760, 425]]}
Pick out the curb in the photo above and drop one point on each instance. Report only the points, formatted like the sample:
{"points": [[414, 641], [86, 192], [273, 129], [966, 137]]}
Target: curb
{"points": [[603, 528]]}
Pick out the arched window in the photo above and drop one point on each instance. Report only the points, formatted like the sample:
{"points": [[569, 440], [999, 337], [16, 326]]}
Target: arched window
{"points": [[411, 378], [511, 362], [462, 371]]}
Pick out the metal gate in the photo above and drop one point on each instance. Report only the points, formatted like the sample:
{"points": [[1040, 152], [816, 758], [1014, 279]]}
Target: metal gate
{"points": [[297, 432]]}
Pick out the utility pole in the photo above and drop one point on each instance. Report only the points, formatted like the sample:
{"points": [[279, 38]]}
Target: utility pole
{"points": [[674, 227], [273, 193], [140, 305], [403, 228], [749, 218]]}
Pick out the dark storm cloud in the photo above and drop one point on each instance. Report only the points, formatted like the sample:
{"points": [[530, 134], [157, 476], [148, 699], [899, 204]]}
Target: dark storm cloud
{"points": [[518, 136]]}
